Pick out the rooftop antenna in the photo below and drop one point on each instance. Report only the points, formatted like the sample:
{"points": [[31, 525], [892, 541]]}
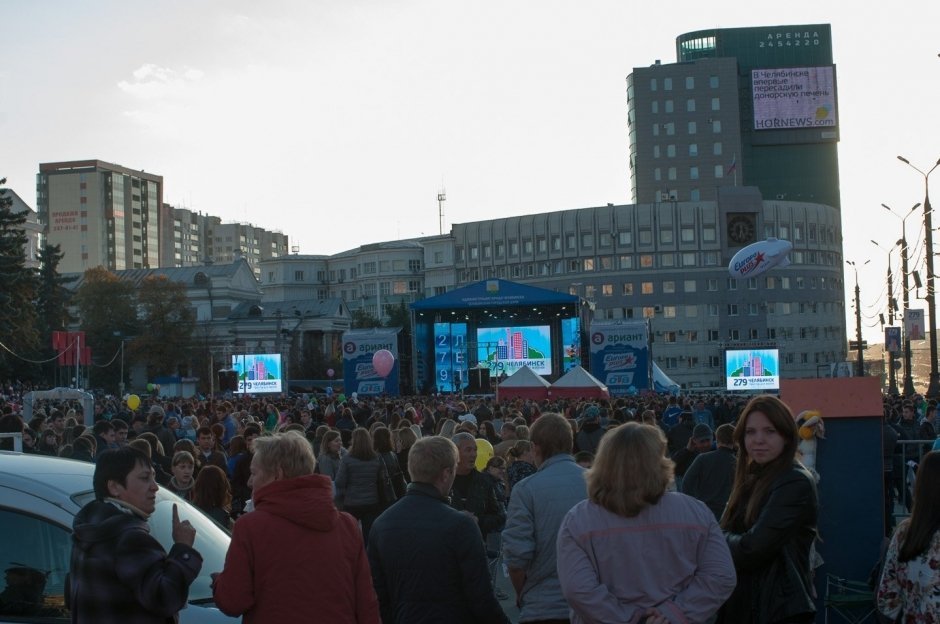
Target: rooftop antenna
{"points": [[441, 198]]}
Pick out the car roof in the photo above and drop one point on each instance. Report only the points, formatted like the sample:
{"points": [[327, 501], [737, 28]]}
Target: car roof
{"points": [[52, 478]]}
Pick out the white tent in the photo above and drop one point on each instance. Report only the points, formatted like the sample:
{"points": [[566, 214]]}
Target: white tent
{"points": [[662, 383], [577, 382], [525, 383]]}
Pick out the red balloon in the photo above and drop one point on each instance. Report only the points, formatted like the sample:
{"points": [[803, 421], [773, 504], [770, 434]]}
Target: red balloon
{"points": [[383, 361]]}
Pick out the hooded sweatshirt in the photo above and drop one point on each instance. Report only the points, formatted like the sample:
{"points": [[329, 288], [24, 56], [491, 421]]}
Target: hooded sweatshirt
{"points": [[296, 558], [119, 573]]}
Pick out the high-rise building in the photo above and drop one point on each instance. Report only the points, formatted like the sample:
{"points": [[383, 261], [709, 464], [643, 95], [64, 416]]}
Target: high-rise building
{"points": [[100, 214], [740, 107]]}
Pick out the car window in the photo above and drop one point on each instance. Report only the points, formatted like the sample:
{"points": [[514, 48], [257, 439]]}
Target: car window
{"points": [[34, 560]]}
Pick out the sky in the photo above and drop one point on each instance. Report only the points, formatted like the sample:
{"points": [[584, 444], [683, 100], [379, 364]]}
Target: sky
{"points": [[339, 122]]}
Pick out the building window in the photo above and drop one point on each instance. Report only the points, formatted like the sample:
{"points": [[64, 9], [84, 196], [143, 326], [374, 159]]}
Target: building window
{"points": [[670, 129], [607, 290], [527, 246], [693, 149], [719, 171], [693, 173], [732, 283], [646, 261], [669, 337], [646, 237], [474, 252], [732, 309], [672, 173], [669, 286], [712, 309], [556, 243], [695, 195], [716, 148], [626, 262], [587, 264], [690, 105], [712, 284], [689, 82], [669, 311], [670, 151], [687, 234], [652, 84], [669, 107], [647, 288], [691, 311], [657, 174], [693, 127], [656, 151], [655, 129], [487, 251], [689, 286], [716, 104], [570, 241], [712, 335], [500, 249], [513, 248], [667, 260], [713, 82], [666, 237], [627, 289], [624, 238], [716, 126], [688, 259], [603, 239], [734, 334], [667, 84], [587, 240]]}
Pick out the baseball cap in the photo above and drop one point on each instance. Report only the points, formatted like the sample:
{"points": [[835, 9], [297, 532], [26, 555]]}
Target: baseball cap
{"points": [[702, 432]]}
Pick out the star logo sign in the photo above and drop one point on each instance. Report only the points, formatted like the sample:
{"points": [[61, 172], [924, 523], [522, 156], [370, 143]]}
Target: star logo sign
{"points": [[758, 259]]}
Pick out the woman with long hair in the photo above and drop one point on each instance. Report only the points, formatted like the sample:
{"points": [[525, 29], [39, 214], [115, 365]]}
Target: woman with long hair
{"points": [[770, 520], [213, 494], [909, 591], [357, 481], [384, 446], [331, 454], [521, 462], [406, 439], [601, 539]]}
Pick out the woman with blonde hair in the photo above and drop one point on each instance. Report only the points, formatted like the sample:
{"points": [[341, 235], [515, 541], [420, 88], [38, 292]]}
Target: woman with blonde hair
{"points": [[295, 558], [770, 520], [621, 523]]}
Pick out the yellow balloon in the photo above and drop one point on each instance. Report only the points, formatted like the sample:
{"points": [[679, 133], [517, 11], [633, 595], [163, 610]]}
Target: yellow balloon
{"points": [[133, 401], [484, 453]]}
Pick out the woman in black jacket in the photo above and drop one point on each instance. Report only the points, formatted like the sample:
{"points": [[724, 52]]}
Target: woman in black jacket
{"points": [[770, 520]]}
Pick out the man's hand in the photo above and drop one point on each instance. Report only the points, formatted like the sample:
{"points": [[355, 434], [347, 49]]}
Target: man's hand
{"points": [[183, 532]]}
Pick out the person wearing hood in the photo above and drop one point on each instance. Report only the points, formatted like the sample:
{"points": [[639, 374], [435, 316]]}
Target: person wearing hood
{"points": [[590, 433], [119, 572], [295, 557]]}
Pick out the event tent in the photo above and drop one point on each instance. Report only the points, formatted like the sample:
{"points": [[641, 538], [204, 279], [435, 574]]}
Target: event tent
{"points": [[662, 382], [523, 384], [577, 382]]}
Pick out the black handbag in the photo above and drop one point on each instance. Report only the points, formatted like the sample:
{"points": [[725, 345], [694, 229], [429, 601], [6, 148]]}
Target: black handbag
{"points": [[384, 485]]}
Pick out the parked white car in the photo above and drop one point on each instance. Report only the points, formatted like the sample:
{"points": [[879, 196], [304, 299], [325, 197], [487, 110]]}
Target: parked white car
{"points": [[39, 497]]}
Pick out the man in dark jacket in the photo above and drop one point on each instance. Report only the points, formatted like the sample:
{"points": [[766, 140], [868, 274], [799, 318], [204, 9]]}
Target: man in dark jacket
{"points": [[711, 474], [428, 561], [119, 573], [472, 491]]}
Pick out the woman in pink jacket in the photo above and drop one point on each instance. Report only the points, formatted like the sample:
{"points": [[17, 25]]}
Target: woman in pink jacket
{"points": [[634, 552], [295, 558]]}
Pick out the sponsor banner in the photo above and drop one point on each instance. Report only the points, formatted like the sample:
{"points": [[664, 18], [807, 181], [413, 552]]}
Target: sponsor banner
{"points": [[620, 356], [893, 340], [358, 373], [914, 324]]}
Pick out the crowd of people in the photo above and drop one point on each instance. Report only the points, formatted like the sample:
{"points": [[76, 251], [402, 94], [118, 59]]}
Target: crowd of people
{"points": [[377, 509]]}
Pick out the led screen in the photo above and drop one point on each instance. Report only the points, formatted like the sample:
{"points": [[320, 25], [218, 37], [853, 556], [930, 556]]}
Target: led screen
{"points": [[258, 373], [797, 97], [507, 349], [752, 369]]}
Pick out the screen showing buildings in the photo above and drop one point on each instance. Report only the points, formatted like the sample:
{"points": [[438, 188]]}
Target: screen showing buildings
{"points": [[507, 349], [258, 373], [797, 97], [752, 369]]}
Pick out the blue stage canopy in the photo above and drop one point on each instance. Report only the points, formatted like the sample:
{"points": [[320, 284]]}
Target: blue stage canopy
{"points": [[494, 292]]}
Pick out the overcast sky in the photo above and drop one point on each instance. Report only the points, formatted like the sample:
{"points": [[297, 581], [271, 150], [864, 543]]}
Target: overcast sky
{"points": [[339, 122]]}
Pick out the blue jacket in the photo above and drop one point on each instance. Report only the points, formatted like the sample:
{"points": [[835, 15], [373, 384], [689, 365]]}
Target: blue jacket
{"points": [[536, 508], [429, 564]]}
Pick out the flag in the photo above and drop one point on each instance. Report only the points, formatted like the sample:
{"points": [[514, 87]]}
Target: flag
{"points": [[734, 164]]}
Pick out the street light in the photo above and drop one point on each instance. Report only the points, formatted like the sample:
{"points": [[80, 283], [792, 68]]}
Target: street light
{"points": [[905, 295], [860, 364], [892, 374], [933, 389]]}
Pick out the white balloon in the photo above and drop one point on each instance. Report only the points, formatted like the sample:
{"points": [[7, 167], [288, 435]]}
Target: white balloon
{"points": [[759, 257]]}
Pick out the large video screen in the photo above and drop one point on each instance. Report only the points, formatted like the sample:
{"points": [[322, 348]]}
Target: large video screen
{"points": [[797, 97], [752, 369], [258, 373], [507, 349]]}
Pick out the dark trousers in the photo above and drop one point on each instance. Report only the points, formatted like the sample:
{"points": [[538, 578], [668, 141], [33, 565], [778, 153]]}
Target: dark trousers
{"points": [[366, 515]]}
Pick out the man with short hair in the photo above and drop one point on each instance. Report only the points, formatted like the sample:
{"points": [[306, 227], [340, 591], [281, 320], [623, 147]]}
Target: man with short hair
{"points": [[104, 437], [120, 432], [428, 561], [472, 491], [537, 507], [700, 442], [590, 434], [507, 434], [205, 442], [711, 474]]}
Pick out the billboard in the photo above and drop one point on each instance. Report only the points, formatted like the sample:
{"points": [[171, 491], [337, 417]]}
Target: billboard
{"points": [[571, 343], [794, 97], [359, 345], [507, 349], [257, 373], [620, 356], [450, 356], [752, 369]]}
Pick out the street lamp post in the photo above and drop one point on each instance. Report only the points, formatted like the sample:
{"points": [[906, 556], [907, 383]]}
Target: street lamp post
{"points": [[892, 374], [933, 388], [860, 363], [905, 296]]}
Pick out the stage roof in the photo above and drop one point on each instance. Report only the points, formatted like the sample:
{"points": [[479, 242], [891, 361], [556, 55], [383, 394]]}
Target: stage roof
{"points": [[493, 293]]}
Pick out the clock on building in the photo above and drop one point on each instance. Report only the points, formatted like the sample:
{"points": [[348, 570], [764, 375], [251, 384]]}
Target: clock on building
{"points": [[741, 228]]}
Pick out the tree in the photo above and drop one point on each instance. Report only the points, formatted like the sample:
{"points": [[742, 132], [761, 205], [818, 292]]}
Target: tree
{"points": [[108, 312], [52, 300], [167, 323], [363, 319], [399, 316], [17, 292]]}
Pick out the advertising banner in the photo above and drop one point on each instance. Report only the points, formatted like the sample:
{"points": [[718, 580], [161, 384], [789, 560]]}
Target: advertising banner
{"points": [[620, 356], [752, 369], [914, 324], [793, 97], [893, 340], [359, 346]]}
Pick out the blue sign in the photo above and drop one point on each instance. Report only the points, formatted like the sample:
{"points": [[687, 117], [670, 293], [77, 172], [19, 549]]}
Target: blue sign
{"points": [[620, 356]]}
